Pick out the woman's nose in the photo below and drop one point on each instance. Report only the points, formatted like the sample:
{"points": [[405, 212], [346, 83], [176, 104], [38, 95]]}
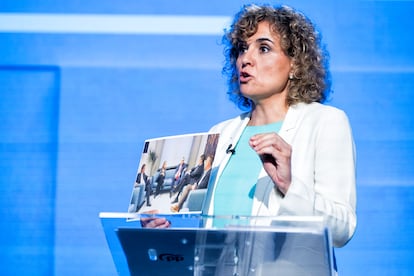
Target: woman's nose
{"points": [[246, 58]]}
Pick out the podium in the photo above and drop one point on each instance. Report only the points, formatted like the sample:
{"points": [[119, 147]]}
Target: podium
{"points": [[202, 245]]}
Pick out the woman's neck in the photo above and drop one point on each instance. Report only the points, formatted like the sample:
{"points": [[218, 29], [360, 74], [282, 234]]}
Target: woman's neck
{"points": [[263, 114]]}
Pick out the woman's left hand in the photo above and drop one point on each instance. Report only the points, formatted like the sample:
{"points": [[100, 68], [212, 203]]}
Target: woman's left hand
{"points": [[156, 222], [152, 221], [275, 154]]}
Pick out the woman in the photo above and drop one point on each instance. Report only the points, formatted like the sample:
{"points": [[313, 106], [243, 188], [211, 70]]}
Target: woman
{"points": [[291, 154], [287, 154]]}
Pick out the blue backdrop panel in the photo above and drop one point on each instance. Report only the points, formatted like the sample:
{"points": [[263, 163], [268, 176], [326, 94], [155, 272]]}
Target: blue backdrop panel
{"points": [[384, 240], [104, 50], [182, 7], [28, 140], [380, 110], [132, 104], [365, 36]]}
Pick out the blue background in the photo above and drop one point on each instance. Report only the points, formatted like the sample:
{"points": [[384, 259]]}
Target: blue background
{"points": [[75, 109]]}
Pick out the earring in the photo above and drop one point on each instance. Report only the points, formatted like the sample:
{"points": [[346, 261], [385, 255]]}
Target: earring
{"points": [[291, 76]]}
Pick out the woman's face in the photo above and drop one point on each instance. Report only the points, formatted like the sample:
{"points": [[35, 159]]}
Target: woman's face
{"points": [[262, 66]]}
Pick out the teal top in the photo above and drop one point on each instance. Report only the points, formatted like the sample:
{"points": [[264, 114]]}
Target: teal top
{"points": [[236, 187]]}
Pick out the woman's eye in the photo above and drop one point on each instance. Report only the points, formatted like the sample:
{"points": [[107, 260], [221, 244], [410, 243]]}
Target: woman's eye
{"points": [[264, 49], [242, 49]]}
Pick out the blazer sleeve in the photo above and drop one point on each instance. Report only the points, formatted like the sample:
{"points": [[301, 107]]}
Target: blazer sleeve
{"points": [[330, 190]]}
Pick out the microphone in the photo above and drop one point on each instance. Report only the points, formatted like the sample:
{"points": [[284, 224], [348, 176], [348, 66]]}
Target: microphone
{"points": [[230, 150]]}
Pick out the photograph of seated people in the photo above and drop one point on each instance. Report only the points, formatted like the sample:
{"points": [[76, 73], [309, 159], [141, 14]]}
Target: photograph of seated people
{"points": [[202, 183], [290, 153], [190, 177]]}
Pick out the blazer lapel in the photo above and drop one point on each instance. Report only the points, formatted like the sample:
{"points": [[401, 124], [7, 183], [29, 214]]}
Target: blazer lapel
{"points": [[290, 123]]}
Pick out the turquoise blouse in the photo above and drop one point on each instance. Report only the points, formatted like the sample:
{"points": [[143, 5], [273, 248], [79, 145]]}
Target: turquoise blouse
{"points": [[235, 189]]}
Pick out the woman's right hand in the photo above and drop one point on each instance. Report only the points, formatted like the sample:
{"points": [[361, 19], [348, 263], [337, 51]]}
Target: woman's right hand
{"points": [[276, 155]]}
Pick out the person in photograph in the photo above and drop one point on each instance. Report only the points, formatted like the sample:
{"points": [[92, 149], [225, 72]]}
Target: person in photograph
{"points": [[142, 177], [160, 179], [179, 172], [190, 177], [202, 183]]}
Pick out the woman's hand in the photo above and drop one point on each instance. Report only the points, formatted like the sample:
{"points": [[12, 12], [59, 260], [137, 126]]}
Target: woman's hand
{"points": [[154, 222], [275, 154]]}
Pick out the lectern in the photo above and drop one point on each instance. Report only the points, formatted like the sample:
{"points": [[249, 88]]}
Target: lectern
{"points": [[201, 245]]}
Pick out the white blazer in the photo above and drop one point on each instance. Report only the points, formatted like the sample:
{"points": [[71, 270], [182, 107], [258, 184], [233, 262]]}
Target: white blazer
{"points": [[323, 168]]}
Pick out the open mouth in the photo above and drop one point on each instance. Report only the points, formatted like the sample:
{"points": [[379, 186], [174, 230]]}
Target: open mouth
{"points": [[244, 77]]}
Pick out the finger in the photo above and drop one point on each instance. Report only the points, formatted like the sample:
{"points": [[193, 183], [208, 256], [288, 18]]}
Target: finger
{"points": [[266, 139], [265, 143], [160, 223], [267, 146]]}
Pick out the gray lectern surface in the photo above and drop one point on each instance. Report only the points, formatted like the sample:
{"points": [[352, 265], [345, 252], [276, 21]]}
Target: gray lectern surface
{"points": [[245, 246]]}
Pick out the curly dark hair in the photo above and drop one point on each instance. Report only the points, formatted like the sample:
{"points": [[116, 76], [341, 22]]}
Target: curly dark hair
{"points": [[299, 40]]}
